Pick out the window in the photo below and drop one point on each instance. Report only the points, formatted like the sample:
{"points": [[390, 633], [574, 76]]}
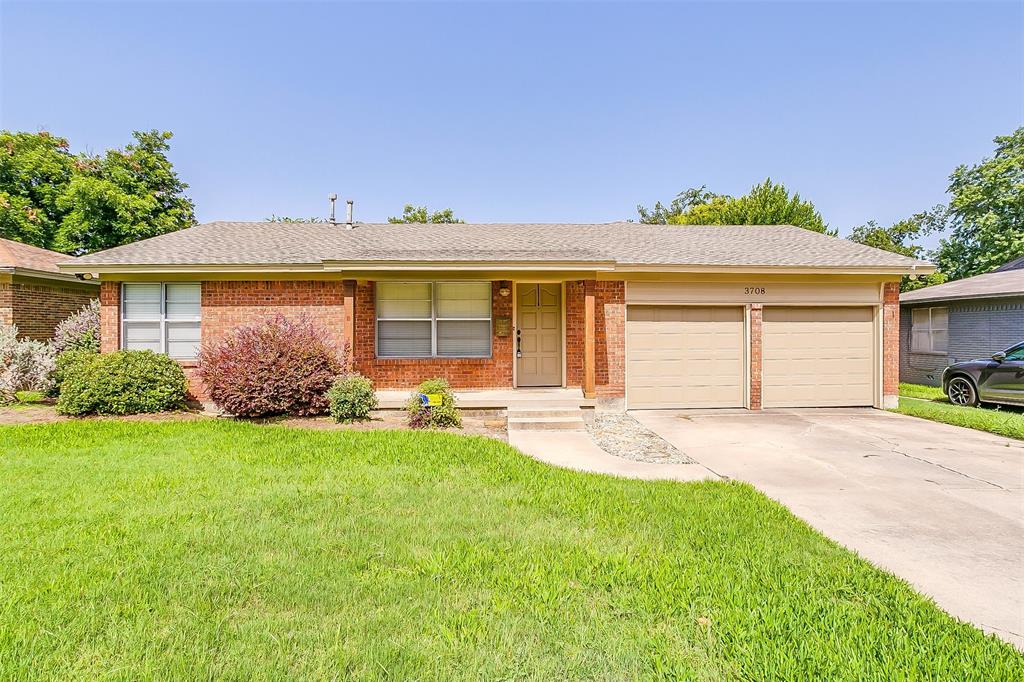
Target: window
{"points": [[163, 318], [929, 330], [433, 319]]}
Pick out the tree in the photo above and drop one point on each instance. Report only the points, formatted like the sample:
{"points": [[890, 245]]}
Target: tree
{"points": [[35, 168], [420, 214], [767, 203], [898, 238], [985, 217], [79, 203]]}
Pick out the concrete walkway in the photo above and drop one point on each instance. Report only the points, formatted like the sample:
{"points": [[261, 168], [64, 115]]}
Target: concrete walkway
{"points": [[940, 506]]}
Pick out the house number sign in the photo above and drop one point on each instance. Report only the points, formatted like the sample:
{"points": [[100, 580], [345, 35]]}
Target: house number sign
{"points": [[753, 291]]}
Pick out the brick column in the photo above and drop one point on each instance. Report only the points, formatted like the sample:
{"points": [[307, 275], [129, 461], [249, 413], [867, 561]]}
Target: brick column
{"points": [[589, 345], [110, 316], [890, 345], [348, 288], [756, 339]]}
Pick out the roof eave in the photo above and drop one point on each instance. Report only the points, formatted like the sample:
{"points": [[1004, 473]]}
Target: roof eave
{"points": [[522, 265], [789, 269], [962, 297]]}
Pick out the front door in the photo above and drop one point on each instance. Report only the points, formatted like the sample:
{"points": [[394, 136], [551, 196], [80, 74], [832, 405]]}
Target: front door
{"points": [[539, 334]]}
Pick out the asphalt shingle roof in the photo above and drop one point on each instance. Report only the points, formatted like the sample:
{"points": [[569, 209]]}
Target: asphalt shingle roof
{"points": [[17, 255], [238, 243], [996, 284]]}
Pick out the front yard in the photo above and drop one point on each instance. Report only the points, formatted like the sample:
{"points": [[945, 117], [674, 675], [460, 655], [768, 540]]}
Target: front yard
{"points": [[220, 549], [929, 402]]}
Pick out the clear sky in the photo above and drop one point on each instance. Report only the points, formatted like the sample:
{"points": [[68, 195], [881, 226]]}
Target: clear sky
{"points": [[526, 112]]}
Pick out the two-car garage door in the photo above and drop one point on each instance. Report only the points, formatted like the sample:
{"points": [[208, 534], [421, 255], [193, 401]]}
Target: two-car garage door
{"points": [[695, 356]]}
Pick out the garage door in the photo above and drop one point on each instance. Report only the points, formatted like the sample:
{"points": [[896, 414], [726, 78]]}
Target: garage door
{"points": [[818, 357], [684, 356]]}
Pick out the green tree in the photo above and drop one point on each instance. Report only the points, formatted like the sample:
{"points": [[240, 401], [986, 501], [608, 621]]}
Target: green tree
{"points": [[35, 168], [79, 203], [899, 238], [420, 214], [124, 196], [985, 217], [767, 203]]}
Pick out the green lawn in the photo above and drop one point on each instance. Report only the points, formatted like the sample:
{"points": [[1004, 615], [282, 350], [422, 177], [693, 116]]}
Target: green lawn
{"points": [[213, 549], [928, 402]]}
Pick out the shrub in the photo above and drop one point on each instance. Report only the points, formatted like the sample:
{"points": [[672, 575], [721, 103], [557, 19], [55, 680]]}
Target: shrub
{"points": [[277, 366], [66, 361], [25, 365], [440, 416], [81, 331], [352, 398], [125, 382]]}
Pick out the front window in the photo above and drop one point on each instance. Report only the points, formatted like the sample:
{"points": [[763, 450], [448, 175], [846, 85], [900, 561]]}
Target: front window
{"points": [[433, 319], [1016, 353], [929, 330], [163, 318]]}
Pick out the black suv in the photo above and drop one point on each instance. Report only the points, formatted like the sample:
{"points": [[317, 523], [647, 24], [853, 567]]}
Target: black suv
{"points": [[999, 379]]}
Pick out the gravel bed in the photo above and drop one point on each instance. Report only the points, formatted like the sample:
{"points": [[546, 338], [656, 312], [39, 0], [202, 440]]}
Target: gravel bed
{"points": [[623, 436]]}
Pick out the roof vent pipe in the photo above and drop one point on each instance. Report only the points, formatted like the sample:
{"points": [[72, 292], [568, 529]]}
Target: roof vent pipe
{"points": [[348, 213], [332, 197]]}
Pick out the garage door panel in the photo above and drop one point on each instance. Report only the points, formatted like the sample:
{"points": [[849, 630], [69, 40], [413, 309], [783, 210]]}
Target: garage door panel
{"points": [[680, 356], [818, 357]]}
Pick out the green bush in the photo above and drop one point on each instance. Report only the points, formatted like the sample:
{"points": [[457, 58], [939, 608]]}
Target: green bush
{"points": [[352, 398], [125, 382], [440, 416], [66, 362]]}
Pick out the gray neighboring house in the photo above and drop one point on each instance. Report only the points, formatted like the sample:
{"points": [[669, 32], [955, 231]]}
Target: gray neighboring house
{"points": [[962, 320]]}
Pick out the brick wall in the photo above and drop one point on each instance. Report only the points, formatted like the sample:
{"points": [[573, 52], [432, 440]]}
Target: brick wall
{"points": [[890, 344], [977, 329], [110, 316], [492, 372], [609, 336], [38, 307], [756, 347]]}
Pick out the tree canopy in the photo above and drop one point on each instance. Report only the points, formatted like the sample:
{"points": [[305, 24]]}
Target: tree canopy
{"points": [[767, 203], [899, 238], [78, 203], [420, 214], [985, 216]]}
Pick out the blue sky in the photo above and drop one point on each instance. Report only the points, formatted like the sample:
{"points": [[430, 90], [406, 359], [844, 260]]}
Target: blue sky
{"points": [[526, 112]]}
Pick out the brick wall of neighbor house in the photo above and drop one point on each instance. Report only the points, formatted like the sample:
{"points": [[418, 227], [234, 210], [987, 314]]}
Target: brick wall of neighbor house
{"points": [[492, 372], [609, 341], [977, 328], [37, 307], [890, 344]]}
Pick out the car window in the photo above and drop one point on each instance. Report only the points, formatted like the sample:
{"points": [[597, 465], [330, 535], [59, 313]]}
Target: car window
{"points": [[1015, 353]]}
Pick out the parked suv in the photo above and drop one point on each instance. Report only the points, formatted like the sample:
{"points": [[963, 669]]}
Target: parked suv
{"points": [[999, 379]]}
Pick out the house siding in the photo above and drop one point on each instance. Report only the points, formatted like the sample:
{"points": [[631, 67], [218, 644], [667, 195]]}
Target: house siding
{"points": [[37, 307], [977, 328]]}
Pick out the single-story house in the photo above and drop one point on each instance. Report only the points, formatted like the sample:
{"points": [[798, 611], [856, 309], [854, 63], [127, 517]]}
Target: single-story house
{"points": [[642, 316], [34, 294], [962, 320]]}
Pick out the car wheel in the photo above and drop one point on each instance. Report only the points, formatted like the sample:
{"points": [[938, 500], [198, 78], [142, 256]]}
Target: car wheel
{"points": [[961, 392]]}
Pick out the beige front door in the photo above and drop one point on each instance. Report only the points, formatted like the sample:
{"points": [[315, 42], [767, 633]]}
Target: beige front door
{"points": [[684, 356], [818, 357], [539, 334]]}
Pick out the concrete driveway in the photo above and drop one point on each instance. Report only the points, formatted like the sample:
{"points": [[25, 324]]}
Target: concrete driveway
{"points": [[940, 506]]}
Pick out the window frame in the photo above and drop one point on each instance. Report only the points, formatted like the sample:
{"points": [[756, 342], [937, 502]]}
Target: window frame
{"points": [[930, 330], [162, 320], [434, 319]]}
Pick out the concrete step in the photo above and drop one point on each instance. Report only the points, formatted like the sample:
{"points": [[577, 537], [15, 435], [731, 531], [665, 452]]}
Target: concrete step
{"points": [[534, 412], [546, 423]]}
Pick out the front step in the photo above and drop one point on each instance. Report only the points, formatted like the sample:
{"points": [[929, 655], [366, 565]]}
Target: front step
{"points": [[536, 418]]}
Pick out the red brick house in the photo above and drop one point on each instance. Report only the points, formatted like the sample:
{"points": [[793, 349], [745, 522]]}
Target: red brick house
{"points": [[34, 294], [644, 316]]}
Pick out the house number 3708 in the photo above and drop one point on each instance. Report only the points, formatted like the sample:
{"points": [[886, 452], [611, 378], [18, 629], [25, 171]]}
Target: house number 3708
{"points": [[753, 291]]}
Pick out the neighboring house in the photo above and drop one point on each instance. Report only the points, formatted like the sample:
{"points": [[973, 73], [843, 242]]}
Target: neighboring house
{"points": [[644, 316], [34, 294], [962, 320]]}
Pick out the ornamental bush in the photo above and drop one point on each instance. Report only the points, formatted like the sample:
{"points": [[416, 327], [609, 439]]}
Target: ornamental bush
{"points": [[25, 365], [277, 366], [440, 416], [81, 331], [125, 382], [352, 398]]}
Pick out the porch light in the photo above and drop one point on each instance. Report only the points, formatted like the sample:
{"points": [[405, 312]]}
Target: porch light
{"points": [[504, 289]]}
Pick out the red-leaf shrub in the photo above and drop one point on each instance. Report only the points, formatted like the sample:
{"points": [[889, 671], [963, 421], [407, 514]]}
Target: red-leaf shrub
{"points": [[277, 366]]}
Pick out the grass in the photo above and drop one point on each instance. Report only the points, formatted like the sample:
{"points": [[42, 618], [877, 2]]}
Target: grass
{"points": [[928, 402], [28, 400], [216, 549]]}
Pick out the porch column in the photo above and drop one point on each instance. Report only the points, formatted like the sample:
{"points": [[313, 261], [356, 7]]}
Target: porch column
{"points": [[589, 346], [348, 289], [756, 312]]}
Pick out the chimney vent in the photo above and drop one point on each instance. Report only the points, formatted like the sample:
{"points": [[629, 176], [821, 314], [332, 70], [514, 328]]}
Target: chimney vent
{"points": [[348, 213], [332, 197]]}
